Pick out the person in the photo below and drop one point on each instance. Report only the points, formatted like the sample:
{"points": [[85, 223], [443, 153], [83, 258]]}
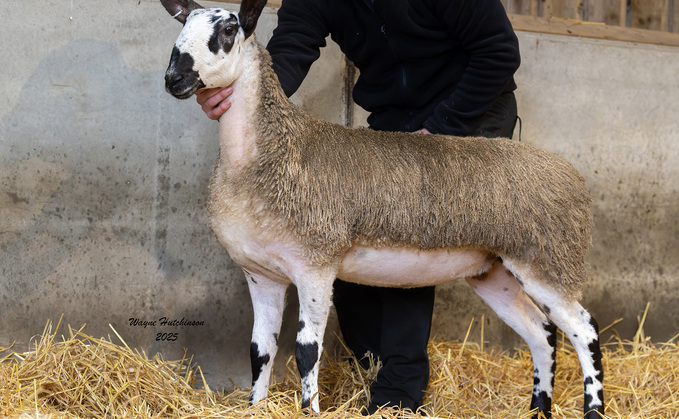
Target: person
{"points": [[429, 66]]}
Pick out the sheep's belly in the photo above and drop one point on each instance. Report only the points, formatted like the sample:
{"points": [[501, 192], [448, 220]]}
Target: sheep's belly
{"points": [[403, 267]]}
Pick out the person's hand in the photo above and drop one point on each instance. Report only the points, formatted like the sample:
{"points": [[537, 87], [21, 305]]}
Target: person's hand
{"points": [[214, 101], [422, 131]]}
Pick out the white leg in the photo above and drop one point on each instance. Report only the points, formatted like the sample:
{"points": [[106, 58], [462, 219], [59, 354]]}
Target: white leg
{"points": [[580, 328], [500, 290], [315, 298], [268, 301]]}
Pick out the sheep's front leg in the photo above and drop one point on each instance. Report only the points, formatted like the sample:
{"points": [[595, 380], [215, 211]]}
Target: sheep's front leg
{"points": [[315, 293], [268, 301]]}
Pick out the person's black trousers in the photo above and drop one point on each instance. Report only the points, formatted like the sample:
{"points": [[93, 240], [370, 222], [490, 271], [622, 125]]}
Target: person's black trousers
{"points": [[392, 324]]}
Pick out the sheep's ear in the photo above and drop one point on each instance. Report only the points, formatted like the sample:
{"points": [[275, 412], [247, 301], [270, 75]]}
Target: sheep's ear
{"points": [[249, 13], [179, 9]]}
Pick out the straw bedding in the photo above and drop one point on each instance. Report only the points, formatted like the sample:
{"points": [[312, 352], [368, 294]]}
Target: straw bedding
{"points": [[80, 376]]}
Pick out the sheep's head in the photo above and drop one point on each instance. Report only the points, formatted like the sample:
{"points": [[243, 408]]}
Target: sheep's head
{"points": [[208, 50]]}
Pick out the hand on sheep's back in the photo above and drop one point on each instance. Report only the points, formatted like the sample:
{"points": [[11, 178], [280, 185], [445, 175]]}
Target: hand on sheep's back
{"points": [[214, 102]]}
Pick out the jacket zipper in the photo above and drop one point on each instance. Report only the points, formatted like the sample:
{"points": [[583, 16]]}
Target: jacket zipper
{"points": [[383, 26], [383, 30]]}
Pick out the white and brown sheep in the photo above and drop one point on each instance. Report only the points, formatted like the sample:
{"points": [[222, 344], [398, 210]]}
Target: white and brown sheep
{"points": [[300, 201]]}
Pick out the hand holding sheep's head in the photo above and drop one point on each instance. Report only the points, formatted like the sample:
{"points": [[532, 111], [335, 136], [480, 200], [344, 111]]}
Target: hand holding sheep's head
{"points": [[206, 53]]}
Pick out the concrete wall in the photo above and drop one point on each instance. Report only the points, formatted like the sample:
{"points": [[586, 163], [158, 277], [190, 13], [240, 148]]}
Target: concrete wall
{"points": [[103, 178]]}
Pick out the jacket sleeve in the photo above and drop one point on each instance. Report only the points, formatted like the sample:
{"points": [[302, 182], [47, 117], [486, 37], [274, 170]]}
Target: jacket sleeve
{"points": [[483, 28], [297, 40]]}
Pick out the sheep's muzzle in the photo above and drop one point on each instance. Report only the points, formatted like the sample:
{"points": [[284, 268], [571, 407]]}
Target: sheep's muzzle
{"points": [[181, 80]]}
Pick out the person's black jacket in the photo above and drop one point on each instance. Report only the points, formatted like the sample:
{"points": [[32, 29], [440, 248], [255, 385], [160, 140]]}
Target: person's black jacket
{"points": [[438, 64]]}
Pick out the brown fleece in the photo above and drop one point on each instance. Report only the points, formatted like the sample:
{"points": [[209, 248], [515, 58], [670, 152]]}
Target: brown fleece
{"points": [[331, 187]]}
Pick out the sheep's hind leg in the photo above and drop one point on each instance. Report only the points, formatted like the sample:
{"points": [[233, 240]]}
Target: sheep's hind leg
{"points": [[500, 290], [583, 332], [315, 293], [268, 301]]}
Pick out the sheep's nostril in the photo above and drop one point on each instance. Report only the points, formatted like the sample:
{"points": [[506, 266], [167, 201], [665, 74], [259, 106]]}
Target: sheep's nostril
{"points": [[171, 79]]}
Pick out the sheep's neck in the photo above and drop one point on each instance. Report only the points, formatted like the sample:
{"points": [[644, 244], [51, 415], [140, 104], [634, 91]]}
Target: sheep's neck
{"points": [[237, 140], [259, 113]]}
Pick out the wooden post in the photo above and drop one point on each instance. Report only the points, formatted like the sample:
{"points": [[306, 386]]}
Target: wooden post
{"points": [[623, 13], [672, 17], [584, 10]]}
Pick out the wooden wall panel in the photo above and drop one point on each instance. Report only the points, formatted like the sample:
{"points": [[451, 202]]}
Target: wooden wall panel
{"points": [[519, 7], [610, 12], [566, 9], [659, 15], [585, 29], [647, 14]]}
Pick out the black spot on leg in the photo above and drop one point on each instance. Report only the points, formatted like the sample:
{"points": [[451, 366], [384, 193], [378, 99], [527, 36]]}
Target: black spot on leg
{"points": [[258, 362], [594, 324], [551, 340], [275, 337], [300, 326], [543, 403], [551, 330], [593, 410], [481, 277], [546, 309], [306, 403], [588, 403], [595, 350], [536, 381], [540, 399], [598, 366], [307, 356]]}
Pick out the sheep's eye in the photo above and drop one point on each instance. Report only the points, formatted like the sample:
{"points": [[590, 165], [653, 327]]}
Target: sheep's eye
{"points": [[229, 30]]}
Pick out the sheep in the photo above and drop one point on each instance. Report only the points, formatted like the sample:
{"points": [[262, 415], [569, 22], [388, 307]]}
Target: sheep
{"points": [[295, 200]]}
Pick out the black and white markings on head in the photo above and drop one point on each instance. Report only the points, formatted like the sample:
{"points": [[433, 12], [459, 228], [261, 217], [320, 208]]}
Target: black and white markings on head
{"points": [[206, 53], [214, 29]]}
